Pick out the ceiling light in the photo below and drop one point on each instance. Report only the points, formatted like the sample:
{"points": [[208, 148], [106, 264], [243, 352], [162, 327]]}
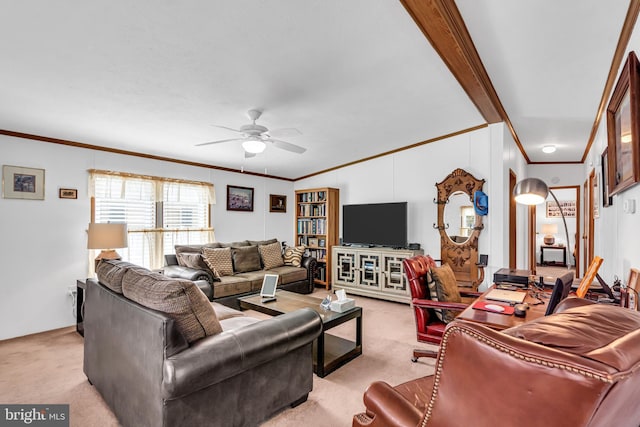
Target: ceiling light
{"points": [[254, 145], [625, 137], [548, 149]]}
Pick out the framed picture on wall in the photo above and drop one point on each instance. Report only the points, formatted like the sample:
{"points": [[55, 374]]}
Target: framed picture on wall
{"points": [[568, 208], [239, 198], [623, 129], [22, 183], [607, 200], [277, 203]]}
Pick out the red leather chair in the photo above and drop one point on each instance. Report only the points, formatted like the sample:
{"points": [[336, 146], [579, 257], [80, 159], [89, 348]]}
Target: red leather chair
{"points": [[428, 327]]}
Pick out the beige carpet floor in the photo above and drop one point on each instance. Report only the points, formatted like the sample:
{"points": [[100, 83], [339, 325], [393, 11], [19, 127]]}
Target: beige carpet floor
{"points": [[46, 368]]}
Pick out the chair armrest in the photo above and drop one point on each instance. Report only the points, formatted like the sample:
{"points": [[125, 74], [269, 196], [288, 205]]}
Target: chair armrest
{"points": [[387, 408], [571, 302], [470, 294], [427, 303], [213, 359]]}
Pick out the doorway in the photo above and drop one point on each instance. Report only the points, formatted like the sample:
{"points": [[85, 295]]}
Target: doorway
{"points": [[550, 251]]}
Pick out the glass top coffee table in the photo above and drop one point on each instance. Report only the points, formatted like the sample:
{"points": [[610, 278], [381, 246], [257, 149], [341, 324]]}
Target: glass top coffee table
{"points": [[329, 351]]}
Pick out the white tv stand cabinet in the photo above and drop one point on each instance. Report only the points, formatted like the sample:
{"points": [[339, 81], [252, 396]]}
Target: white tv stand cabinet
{"points": [[373, 272]]}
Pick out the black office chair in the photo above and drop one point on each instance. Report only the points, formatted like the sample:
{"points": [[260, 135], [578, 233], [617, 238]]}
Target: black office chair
{"points": [[560, 291]]}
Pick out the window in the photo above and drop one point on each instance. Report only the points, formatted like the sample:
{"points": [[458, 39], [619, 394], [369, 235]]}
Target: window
{"points": [[159, 212]]}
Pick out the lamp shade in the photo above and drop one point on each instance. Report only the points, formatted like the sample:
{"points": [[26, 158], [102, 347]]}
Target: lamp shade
{"points": [[531, 191], [549, 228], [107, 236]]}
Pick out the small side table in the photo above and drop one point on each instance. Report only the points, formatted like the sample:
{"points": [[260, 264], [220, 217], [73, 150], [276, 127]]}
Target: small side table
{"points": [[81, 286], [561, 248]]}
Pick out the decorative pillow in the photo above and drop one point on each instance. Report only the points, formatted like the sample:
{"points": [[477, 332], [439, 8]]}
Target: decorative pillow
{"points": [[218, 260], [186, 256], [189, 259], [182, 300], [110, 273], [245, 259], [293, 255], [446, 289], [271, 255]]}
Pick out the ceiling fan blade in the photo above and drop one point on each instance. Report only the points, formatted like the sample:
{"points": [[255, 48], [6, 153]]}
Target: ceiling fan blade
{"points": [[284, 132], [288, 146], [248, 155], [218, 142], [225, 127]]}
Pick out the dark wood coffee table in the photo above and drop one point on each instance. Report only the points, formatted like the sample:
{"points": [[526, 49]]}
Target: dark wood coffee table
{"points": [[329, 351]]}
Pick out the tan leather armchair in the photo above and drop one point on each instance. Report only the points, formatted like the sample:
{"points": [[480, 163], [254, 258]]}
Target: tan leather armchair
{"points": [[577, 367]]}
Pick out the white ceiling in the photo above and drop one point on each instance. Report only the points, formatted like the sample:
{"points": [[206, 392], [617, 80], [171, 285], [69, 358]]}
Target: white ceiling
{"points": [[355, 77]]}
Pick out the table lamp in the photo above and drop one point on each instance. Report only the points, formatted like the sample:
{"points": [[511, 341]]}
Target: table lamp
{"points": [[107, 237], [533, 191], [549, 230]]}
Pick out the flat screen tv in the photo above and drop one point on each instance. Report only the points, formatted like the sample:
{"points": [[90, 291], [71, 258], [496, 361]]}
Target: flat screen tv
{"points": [[376, 224]]}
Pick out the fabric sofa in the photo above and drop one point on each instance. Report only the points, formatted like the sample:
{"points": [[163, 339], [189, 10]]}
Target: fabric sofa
{"points": [[242, 271], [577, 367], [161, 354]]}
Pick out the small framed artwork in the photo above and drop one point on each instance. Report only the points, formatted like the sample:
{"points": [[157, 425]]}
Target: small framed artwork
{"points": [[568, 208], [68, 193], [607, 200], [277, 203], [623, 129], [239, 198], [22, 183]]}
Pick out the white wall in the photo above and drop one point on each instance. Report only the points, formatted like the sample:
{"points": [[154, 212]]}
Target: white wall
{"points": [[615, 231], [411, 176], [44, 242]]}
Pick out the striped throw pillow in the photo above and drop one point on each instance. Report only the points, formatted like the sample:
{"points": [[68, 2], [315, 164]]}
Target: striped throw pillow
{"points": [[293, 256], [218, 260]]}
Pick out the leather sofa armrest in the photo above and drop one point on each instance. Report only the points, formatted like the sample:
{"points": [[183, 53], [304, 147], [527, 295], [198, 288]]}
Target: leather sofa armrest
{"points": [[188, 273], [387, 408], [215, 358], [310, 263]]}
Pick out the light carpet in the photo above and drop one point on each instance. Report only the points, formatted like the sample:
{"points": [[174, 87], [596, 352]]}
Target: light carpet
{"points": [[46, 368]]}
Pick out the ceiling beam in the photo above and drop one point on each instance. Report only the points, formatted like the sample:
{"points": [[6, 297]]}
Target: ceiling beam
{"points": [[441, 23], [618, 56]]}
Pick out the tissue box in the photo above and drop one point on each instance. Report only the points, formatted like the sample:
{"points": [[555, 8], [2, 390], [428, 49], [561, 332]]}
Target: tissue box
{"points": [[342, 306]]}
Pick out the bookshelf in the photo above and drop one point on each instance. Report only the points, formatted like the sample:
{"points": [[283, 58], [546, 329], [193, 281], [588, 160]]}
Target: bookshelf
{"points": [[317, 227]]}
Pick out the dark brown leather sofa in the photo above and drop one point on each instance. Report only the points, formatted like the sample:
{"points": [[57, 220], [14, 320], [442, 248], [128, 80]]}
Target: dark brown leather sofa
{"points": [[577, 367], [149, 374]]}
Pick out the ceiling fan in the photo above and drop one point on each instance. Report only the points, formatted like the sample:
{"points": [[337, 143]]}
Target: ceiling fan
{"points": [[255, 137]]}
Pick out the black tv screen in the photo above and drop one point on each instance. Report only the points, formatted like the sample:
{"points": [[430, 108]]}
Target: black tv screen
{"points": [[379, 224]]}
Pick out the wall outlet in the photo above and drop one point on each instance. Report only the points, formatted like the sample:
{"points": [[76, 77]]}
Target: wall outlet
{"points": [[72, 291]]}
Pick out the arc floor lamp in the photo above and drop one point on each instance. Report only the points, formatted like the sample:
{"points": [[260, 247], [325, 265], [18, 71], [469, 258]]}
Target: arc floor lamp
{"points": [[533, 191]]}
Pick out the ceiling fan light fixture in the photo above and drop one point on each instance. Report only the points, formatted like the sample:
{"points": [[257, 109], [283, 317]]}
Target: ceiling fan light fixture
{"points": [[549, 149], [254, 145]]}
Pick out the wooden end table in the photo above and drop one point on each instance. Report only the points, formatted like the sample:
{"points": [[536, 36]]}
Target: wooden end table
{"points": [[329, 351]]}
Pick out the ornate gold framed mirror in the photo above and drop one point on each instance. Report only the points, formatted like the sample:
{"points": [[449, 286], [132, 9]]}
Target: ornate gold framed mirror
{"points": [[460, 227]]}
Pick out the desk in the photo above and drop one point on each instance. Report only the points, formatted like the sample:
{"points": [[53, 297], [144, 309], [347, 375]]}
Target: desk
{"points": [[503, 321], [557, 248]]}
